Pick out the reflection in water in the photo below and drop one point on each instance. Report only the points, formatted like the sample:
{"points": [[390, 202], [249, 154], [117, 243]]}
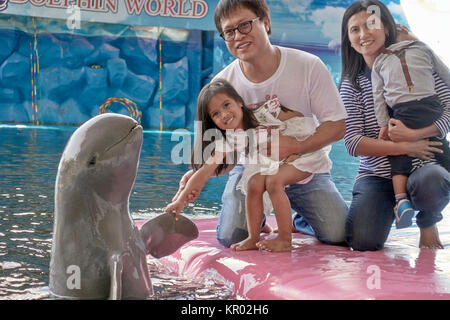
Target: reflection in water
{"points": [[167, 286], [29, 160]]}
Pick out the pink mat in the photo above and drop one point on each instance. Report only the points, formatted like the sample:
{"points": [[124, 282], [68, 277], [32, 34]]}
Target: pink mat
{"points": [[317, 271]]}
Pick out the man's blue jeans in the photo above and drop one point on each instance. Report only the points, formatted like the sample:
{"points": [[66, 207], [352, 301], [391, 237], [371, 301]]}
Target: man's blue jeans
{"points": [[371, 212], [320, 208]]}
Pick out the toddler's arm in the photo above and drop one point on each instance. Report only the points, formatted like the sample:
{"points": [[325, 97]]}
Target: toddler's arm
{"points": [[380, 106]]}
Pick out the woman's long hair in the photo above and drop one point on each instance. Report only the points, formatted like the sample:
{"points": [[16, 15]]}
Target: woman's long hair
{"points": [[204, 97], [353, 62]]}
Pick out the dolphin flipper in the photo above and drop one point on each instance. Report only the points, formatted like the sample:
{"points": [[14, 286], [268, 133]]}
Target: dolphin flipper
{"points": [[116, 267], [163, 235]]}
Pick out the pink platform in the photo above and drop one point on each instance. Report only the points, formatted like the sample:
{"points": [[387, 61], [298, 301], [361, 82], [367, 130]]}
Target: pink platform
{"points": [[317, 271]]}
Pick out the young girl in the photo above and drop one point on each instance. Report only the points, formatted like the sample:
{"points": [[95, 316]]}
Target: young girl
{"points": [[221, 107]]}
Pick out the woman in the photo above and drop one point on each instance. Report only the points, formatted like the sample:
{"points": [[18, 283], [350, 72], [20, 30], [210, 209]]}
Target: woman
{"points": [[371, 212], [302, 83]]}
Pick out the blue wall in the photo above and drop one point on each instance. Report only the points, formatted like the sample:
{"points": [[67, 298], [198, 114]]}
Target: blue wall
{"points": [[78, 72]]}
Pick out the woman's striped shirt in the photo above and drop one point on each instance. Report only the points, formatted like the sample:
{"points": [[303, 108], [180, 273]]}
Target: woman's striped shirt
{"points": [[361, 122]]}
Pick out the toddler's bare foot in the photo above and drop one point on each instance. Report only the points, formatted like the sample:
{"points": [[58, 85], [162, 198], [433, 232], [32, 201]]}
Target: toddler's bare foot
{"points": [[267, 229], [247, 244], [429, 238], [277, 244]]}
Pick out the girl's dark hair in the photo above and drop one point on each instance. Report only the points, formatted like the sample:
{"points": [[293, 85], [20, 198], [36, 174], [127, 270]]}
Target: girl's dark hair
{"points": [[224, 7], [204, 97], [353, 62]]}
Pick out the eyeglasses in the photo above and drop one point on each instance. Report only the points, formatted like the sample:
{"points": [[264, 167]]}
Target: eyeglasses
{"points": [[243, 27]]}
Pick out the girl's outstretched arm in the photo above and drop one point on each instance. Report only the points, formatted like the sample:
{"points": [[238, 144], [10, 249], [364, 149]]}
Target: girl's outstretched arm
{"points": [[195, 184]]}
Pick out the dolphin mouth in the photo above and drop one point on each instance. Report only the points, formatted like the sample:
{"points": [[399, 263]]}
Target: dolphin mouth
{"points": [[135, 127]]}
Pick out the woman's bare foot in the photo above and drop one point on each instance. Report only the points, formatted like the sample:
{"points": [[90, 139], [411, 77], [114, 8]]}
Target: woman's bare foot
{"points": [[247, 244], [429, 238], [277, 244], [267, 228]]}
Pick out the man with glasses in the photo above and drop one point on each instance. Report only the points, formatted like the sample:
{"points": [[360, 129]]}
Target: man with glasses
{"points": [[301, 82]]}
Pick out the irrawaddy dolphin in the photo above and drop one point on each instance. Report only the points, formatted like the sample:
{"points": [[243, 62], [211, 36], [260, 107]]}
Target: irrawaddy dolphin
{"points": [[97, 250]]}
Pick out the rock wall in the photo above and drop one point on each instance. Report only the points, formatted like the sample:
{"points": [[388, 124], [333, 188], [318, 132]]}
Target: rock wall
{"points": [[63, 77]]}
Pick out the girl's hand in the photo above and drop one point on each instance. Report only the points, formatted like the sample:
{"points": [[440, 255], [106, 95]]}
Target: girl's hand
{"points": [[422, 149], [176, 207], [398, 132]]}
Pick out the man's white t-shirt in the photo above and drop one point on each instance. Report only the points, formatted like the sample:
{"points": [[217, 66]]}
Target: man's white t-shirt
{"points": [[301, 83]]}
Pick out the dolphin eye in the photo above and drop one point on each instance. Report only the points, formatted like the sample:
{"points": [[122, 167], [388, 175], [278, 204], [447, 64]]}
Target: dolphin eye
{"points": [[92, 161]]}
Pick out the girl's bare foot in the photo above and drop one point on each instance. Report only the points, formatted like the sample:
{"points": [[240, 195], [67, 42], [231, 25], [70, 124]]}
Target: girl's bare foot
{"points": [[277, 244], [247, 244], [429, 238], [267, 229]]}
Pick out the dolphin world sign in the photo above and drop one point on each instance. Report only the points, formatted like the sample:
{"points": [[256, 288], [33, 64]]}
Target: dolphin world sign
{"points": [[189, 14]]}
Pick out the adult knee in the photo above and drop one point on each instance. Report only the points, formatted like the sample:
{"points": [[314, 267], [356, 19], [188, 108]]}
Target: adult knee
{"points": [[363, 243], [236, 236], [334, 235], [362, 240], [429, 187], [363, 233]]}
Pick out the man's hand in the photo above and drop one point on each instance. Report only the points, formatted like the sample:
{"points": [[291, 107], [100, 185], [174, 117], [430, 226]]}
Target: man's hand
{"points": [[281, 145]]}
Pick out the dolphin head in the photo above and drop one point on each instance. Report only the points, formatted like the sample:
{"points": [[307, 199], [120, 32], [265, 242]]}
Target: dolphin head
{"points": [[102, 158]]}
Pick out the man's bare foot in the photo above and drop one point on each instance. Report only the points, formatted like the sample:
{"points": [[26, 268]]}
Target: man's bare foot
{"points": [[267, 228], [247, 244], [277, 244], [429, 238]]}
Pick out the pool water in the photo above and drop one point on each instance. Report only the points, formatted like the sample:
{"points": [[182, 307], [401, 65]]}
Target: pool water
{"points": [[29, 158]]}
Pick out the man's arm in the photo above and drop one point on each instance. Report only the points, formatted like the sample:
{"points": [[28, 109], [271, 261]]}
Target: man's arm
{"points": [[327, 133]]}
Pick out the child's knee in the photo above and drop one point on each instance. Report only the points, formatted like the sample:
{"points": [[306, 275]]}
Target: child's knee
{"points": [[256, 186], [273, 184]]}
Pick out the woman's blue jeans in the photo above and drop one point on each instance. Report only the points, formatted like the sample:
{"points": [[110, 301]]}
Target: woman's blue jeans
{"points": [[320, 208], [371, 212]]}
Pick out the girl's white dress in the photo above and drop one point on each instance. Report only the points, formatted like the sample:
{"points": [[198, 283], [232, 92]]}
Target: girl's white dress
{"points": [[297, 127]]}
